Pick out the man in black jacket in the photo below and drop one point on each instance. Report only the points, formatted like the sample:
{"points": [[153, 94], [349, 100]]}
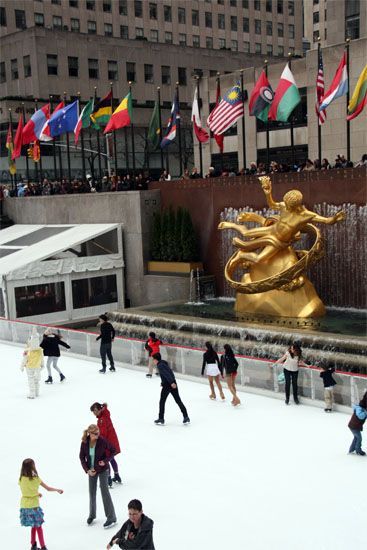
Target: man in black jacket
{"points": [[169, 385], [107, 335], [137, 532]]}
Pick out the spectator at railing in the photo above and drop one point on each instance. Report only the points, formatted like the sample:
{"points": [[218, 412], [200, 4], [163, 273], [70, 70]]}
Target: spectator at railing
{"points": [[325, 165], [194, 174], [362, 162], [309, 166]]}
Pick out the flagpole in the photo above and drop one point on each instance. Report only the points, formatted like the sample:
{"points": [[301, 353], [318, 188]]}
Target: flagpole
{"points": [[291, 120], [178, 126], [200, 144], [243, 122], [26, 157], [221, 149], [348, 121], [319, 142], [36, 163], [82, 142], [53, 143], [147, 147], [132, 132], [98, 141], [114, 133], [13, 176], [160, 126], [267, 124], [68, 146]]}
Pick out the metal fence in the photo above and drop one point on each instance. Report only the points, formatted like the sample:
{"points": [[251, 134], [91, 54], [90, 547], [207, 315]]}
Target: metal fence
{"points": [[253, 373]]}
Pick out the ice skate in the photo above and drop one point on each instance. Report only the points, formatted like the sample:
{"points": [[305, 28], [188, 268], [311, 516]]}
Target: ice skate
{"points": [[62, 377], [90, 520], [186, 420], [49, 380], [222, 396], [112, 369], [212, 396], [117, 478], [102, 371], [110, 481], [109, 523], [34, 547], [159, 421]]}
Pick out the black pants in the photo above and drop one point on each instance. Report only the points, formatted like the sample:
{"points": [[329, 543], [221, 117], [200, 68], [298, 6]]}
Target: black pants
{"points": [[166, 390], [291, 376], [106, 349]]}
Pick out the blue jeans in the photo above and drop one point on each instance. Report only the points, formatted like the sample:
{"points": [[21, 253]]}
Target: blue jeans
{"points": [[106, 350], [357, 441]]}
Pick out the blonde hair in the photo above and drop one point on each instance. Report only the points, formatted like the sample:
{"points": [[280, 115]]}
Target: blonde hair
{"points": [[91, 428], [293, 198]]}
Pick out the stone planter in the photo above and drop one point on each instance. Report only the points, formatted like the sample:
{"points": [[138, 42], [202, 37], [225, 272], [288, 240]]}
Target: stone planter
{"points": [[170, 268]]}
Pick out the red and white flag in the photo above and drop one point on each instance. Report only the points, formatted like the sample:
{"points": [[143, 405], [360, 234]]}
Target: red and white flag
{"points": [[320, 89], [200, 133]]}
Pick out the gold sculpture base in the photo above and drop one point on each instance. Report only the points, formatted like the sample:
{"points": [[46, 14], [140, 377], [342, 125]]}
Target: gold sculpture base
{"points": [[300, 302]]}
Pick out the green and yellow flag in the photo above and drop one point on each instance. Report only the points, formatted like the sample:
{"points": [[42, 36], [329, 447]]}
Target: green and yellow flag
{"points": [[359, 97], [154, 132], [10, 146], [102, 112]]}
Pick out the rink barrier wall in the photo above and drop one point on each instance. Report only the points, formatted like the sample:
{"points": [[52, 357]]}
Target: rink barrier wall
{"points": [[258, 375]]}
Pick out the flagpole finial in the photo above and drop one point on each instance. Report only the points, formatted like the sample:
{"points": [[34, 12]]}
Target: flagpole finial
{"points": [[266, 61], [348, 39], [130, 82], [177, 83], [218, 73], [290, 55], [158, 87], [9, 109], [111, 84], [78, 93], [95, 87], [319, 38]]}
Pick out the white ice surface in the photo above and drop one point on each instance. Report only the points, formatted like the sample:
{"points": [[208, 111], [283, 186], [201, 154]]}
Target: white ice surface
{"points": [[261, 476]]}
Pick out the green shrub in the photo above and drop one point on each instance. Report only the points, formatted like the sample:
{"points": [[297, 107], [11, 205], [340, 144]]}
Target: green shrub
{"points": [[173, 237], [155, 243]]}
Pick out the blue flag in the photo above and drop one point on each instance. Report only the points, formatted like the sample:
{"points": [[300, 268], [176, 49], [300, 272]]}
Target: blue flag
{"points": [[64, 120], [172, 124]]}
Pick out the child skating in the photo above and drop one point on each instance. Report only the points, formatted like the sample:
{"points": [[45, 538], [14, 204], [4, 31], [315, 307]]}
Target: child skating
{"points": [[33, 363], [31, 514], [152, 345], [329, 383], [51, 349], [356, 426]]}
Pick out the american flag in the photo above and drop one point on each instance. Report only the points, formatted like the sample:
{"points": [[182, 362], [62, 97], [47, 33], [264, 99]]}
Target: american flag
{"points": [[320, 89], [227, 112]]}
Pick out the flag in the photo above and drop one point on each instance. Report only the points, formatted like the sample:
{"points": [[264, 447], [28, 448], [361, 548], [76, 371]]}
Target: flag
{"points": [[102, 112], [286, 97], [64, 120], [36, 151], [218, 138], [339, 85], [84, 119], [9, 145], [32, 130], [18, 140], [154, 132], [320, 89], [172, 124], [200, 133], [261, 98], [122, 116], [45, 132], [227, 112], [359, 97]]}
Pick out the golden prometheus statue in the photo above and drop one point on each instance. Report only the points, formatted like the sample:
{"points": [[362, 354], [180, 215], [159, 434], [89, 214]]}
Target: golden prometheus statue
{"points": [[275, 283]]}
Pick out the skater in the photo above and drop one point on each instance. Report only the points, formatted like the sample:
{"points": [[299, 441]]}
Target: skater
{"points": [[95, 453], [356, 425], [31, 514], [329, 383], [213, 370], [230, 364], [107, 335], [51, 349], [137, 532], [33, 363], [292, 360], [169, 386], [152, 345], [107, 431]]}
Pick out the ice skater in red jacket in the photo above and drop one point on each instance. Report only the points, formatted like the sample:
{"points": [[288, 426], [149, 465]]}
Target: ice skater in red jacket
{"points": [[107, 430], [152, 345]]}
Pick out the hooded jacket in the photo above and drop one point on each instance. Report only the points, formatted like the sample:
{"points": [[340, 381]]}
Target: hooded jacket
{"points": [[166, 373], [50, 345], [143, 539], [359, 415], [106, 428]]}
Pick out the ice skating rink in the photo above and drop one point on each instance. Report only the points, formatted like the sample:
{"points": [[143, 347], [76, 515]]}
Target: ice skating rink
{"points": [[259, 477]]}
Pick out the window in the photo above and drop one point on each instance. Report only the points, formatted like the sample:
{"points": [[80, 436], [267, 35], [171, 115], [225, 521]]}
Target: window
{"points": [[90, 4], [222, 43], [39, 299], [280, 30], [182, 79], [130, 71], [123, 7], [352, 28], [234, 45], [73, 66], [291, 31], [167, 12], [233, 23], [246, 24], [92, 27], [195, 18], [166, 74], [245, 4], [57, 22], [208, 19], [73, 3], [221, 21], [233, 3], [153, 35], [209, 42], [281, 51], [315, 2], [94, 291], [107, 6], [52, 64], [352, 7], [139, 32], [290, 8], [182, 16], [168, 37], [246, 46], [57, 2], [148, 74], [315, 36], [257, 47], [138, 7], [27, 66], [182, 39], [221, 2], [39, 19], [269, 28], [2, 17], [280, 6], [108, 30], [74, 25], [269, 49], [212, 73], [257, 26], [291, 50], [257, 5], [20, 21], [269, 5], [93, 69], [14, 69], [196, 41], [2, 72], [153, 11], [316, 17], [124, 31], [112, 71]]}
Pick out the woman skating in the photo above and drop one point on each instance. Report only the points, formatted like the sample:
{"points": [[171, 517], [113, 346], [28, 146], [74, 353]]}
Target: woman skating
{"points": [[213, 370], [292, 360], [230, 365], [107, 430]]}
